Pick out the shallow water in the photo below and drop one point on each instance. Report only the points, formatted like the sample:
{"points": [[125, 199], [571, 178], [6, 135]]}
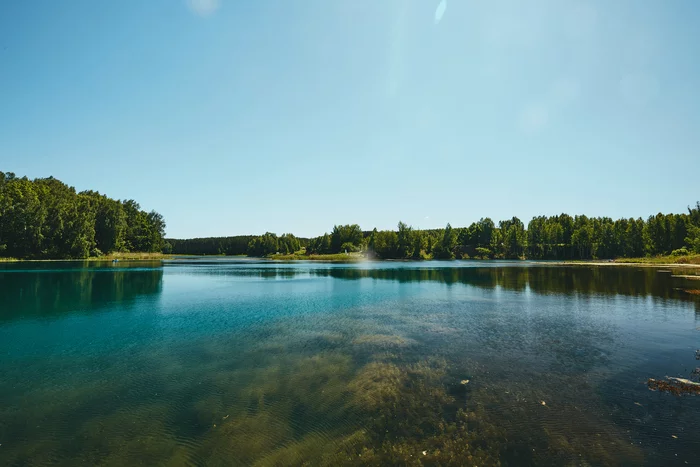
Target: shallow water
{"points": [[220, 362]]}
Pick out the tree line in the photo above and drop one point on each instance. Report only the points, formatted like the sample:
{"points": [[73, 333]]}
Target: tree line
{"points": [[251, 245], [560, 237], [230, 246], [45, 218]]}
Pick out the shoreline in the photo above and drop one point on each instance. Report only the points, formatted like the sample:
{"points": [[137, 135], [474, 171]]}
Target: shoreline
{"points": [[355, 258], [110, 257], [628, 263]]}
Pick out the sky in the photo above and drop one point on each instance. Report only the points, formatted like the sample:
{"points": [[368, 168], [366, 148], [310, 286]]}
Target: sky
{"points": [[241, 117]]}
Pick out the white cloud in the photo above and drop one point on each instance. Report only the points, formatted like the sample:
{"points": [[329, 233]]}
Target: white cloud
{"points": [[203, 7]]}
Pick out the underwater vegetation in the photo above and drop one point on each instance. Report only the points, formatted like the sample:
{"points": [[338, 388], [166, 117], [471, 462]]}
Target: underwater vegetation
{"points": [[368, 400], [386, 369]]}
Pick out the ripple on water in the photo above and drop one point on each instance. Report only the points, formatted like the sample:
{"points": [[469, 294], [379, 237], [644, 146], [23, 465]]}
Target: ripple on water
{"points": [[358, 367]]}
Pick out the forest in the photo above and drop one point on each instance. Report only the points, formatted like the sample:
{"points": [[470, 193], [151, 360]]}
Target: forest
{"points": [[46, 219], [560, 237], [229, 246]]}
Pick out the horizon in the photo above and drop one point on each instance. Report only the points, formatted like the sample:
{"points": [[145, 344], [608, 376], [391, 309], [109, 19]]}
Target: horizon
{"points": [[238, 119]]}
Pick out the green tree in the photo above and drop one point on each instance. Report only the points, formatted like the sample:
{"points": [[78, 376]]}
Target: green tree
{"points": [[264, 245], [655, 235], [485, 228], [45, 218], [404, 242], [633, 244], [137, 229], [606, 244], [514, 238], [693, 238], [418, 244], [386, 243], [22, 218], [350, 233], [372, 240], [582, 240], [693, 228], [80, 229], [155, 232], [536, 237], [554, 239], [110, 222], [679, 231], [496, 245], [445, 248], [288, 244]]}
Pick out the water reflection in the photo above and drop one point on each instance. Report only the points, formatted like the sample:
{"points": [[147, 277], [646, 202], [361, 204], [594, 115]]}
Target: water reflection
{"points": [[33, 290], [533, 277], [267, 364], [543, 280]]}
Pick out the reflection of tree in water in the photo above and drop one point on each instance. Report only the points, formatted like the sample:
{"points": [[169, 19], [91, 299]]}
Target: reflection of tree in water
{"points": [[47, 292], [540, 279], [277, 273], [377, 385]]}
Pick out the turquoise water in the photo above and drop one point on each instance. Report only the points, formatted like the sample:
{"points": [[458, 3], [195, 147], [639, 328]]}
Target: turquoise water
{"points": [[220, 362]]}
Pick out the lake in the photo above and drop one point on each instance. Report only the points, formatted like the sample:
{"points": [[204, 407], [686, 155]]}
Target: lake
{"points": [[244, 362]]}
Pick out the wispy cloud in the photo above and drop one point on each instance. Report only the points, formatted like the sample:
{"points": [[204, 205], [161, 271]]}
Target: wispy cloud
{"points": [[203, 7]]}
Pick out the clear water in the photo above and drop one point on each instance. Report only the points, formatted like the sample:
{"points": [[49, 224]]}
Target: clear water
{"points": [[215, 362]]}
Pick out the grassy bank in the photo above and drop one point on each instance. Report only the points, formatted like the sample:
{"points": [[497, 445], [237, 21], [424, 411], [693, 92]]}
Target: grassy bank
{"points": [[112, 256], [329, 257], [688, 262], [686, 259], [132, 256]]}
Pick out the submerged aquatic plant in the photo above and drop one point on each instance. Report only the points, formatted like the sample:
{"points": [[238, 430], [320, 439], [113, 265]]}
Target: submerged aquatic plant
{"points": [[675, 386], [384, 341], [286, 394]]}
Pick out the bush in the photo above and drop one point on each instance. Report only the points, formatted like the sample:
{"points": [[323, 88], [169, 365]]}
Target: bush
{"points": [[483, 252], [680, 252], [349, 247], [96, 253]]}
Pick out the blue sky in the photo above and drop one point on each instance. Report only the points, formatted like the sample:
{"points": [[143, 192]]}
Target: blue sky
{"points": [[234, 117]]}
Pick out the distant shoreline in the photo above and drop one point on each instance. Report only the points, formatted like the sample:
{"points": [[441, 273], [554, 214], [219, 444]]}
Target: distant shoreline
{"points": [[626, 263], [636, 262], [358, 257]]}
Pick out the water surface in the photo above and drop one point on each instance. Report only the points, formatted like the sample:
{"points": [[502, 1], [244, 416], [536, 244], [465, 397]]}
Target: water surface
{"points": [[220, 362]]}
